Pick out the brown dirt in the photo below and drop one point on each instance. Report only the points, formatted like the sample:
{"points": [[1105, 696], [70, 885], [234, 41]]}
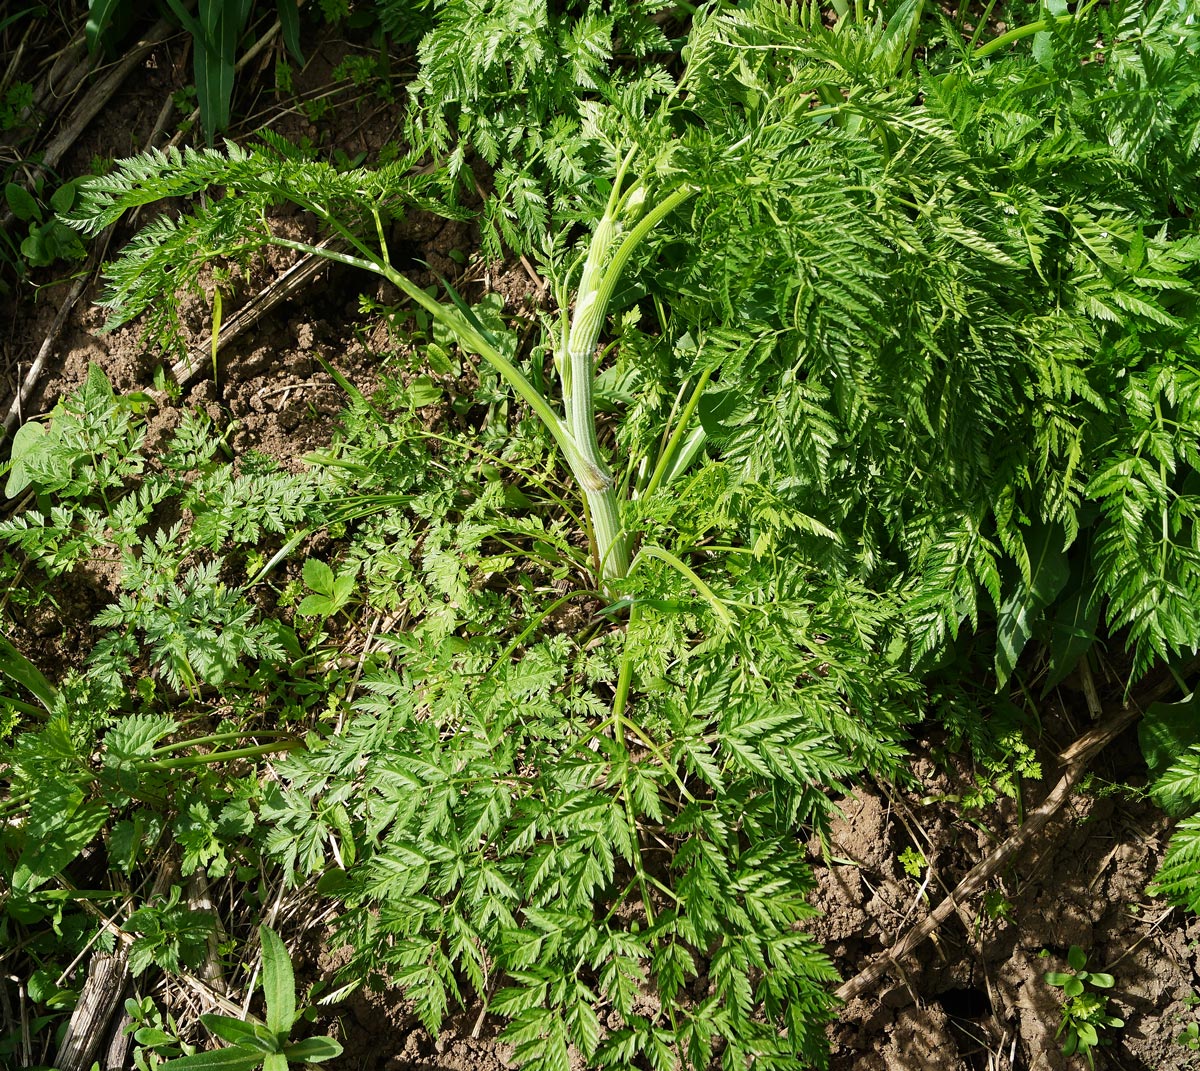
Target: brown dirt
{"points": [[975, 996], [972, 999]]}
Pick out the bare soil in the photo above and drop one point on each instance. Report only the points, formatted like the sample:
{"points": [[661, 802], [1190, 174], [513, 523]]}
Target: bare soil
{"points": [[971, 999]]}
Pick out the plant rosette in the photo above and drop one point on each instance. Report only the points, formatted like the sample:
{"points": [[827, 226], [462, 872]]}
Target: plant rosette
{"points": [[1085, 1013]]}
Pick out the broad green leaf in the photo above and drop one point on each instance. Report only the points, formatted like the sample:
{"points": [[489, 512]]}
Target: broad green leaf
{"points": [[235, 1059], [41, 860], [97, 387], [215, 36], [1072, 633], [133, 838], [21, 203], [151, 1036], [186, 19], [1043, 47], [439, 360], [15, 665], [279, 983], [51, 804], [29, 438], [289, 25], [318, 577], [315, 606], [1077, 958], [1048, 574], [240, 1032], [100, 15], [901, 27], [343, 588], [214, 74], [716, 407], [36, 9], [313, 1050], [134, 737], [62, 199], [424, 391], [51, 241], [1167, 730]]}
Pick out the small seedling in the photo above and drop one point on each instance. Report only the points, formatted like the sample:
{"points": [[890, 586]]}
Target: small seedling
{"points": [[913, 862], [48, 238], [156, 1035], [330, 592], [1085, 1013], [1189, 1037], [253, 1044], [997, 905]]}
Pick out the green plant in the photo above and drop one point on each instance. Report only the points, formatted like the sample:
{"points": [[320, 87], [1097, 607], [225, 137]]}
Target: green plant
{"points": [[1084, 1014], [47, 239], [1000, 531], [268, 1045], [330, 592], [1189, 1037], [156, 1035], [171, 935], [95, 758], [997, 906], [15, 102], [860, 370], [1170, 743], [515, 82], [216, 28], [913, 862]]}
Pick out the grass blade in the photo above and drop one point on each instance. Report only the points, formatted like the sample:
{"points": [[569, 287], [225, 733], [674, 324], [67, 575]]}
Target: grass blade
{"points": [[15, 665], [100, 16], [289, 24]]}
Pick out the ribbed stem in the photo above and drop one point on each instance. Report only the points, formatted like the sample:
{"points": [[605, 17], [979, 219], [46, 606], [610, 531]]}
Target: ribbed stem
{"points": [[612, 541], [597, 283], [576, 434]]}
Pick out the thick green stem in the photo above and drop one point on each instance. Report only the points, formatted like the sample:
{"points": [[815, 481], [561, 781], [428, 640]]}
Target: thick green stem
{"points": [[598, 281], [997, 44], [212, 757], [576, 434], [220, 738], [469, 338], [666, 467]]}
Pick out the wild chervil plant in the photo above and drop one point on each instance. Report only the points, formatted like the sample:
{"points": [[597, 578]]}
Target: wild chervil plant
{"points": [[105, 750], [898, 366]]}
